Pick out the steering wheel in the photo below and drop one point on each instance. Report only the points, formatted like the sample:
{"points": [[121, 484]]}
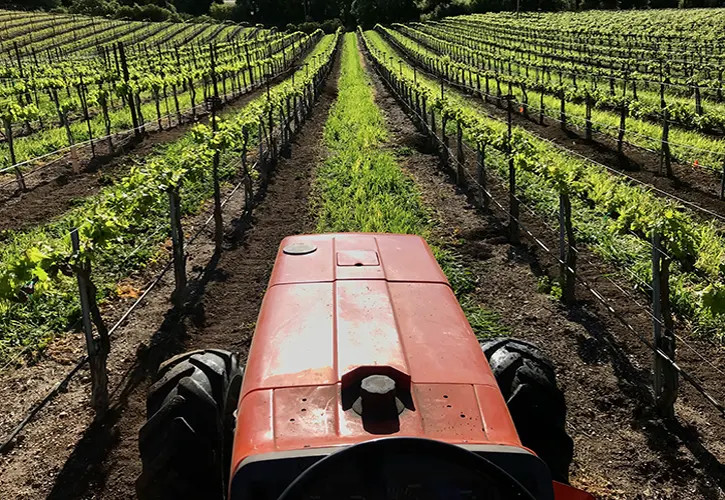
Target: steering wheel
{"points": [[405, 469]]}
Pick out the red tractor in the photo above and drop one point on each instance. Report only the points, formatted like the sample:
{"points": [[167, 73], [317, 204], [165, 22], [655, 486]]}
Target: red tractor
{"points": [[364, 381]]}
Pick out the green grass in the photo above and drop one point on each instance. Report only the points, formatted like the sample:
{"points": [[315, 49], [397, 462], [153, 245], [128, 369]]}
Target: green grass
{"points": [[361, 187]]}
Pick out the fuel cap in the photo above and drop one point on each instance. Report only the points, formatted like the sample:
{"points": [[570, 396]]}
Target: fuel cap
{"points": [[299, 248], [377, 399]]}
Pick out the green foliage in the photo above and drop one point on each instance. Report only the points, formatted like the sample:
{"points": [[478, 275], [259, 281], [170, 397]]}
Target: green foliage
{"points": [[222, 11], [153, 78], [643, 125], [363, 188], [145, 13], [94, 7]]}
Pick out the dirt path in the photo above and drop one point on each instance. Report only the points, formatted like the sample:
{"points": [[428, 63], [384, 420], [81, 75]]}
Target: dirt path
{"points": [[622, 451], [63, 455]]}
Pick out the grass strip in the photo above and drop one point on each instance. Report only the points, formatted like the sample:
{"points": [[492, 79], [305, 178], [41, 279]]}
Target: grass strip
{"points": [[360, 187]]}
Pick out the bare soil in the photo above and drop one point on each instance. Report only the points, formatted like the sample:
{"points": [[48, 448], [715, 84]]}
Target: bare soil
{"points": [[622, 449], [64, 453]]}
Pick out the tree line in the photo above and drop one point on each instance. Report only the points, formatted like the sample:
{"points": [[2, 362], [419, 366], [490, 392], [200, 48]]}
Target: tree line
{"points": [[310, 14]]}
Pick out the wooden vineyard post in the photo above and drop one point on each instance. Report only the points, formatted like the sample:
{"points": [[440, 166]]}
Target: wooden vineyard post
{"points": [[424, 113], [103, 101], [261, 157], [542, 106], [177, 240], [567, 250], [248, 186], [562, 109], [722, 182], [481, 174], [514, 236], [287, 121], [98, 349], [270, 121], [665, 155], [13, 160], [460, 156], [295, 109], [434, 132], [86, 116], [622, 125], [444, 141], [249, 67], [126, 78], [665, 375], [588, 126], [216, 103], [141, 119]]}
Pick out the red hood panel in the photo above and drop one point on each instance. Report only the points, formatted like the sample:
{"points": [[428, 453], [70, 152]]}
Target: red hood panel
{"points": [[358, 305], [357, 256], [296, 418], [316, 333]]}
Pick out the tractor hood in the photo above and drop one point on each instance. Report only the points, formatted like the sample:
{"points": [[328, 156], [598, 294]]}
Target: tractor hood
{"points": [[342, 307]]}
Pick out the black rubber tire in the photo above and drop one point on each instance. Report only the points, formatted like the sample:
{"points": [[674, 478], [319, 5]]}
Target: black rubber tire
{"points": [[527, 381], [185, 444]]}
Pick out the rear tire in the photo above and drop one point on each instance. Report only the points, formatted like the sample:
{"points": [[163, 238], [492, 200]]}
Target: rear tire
{"points": [[186, 442], [527, 381]]}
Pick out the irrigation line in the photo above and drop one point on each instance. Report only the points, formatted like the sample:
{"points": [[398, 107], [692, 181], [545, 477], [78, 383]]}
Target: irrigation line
{"points": [[686, 375]]}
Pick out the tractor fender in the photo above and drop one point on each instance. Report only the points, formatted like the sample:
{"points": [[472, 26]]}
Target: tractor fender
{"points": [[565, 492]]}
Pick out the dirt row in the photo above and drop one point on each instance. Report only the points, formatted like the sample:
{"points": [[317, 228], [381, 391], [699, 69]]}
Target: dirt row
{"points": [[622, 450]]}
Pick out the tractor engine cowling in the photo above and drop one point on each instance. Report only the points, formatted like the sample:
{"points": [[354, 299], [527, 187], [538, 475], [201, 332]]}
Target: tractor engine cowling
{"points": [[360, 337]]}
